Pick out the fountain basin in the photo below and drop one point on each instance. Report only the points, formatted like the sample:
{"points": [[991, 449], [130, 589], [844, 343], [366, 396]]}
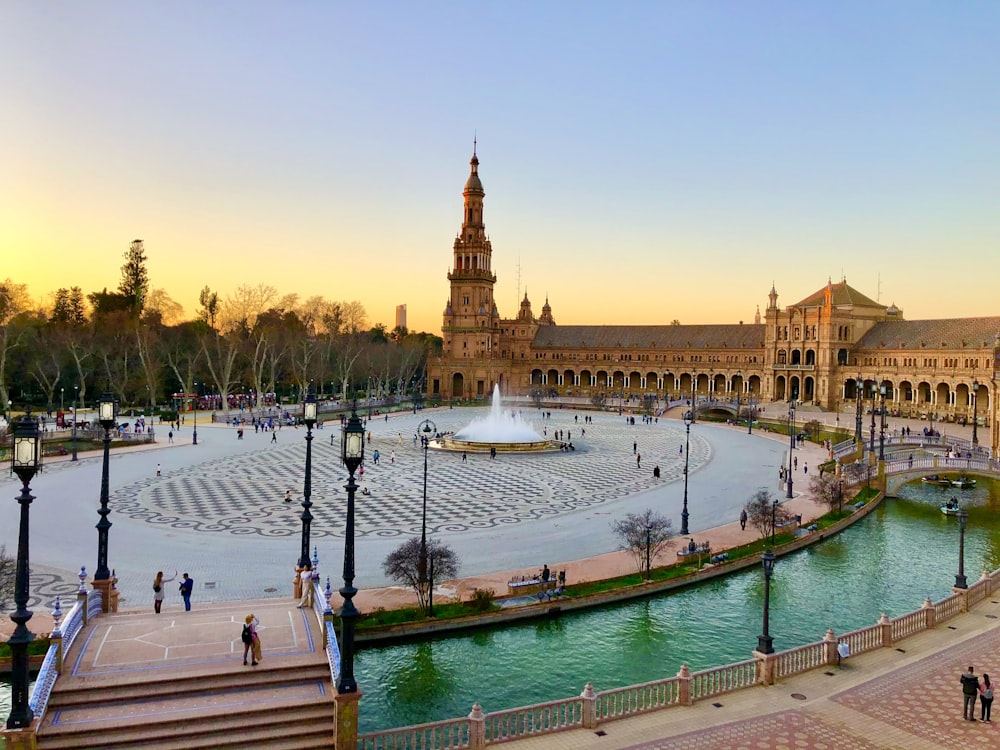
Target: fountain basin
{"points": [[474, 446]]}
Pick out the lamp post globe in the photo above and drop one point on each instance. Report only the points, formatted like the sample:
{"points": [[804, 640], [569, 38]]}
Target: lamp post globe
{"points": [[309, 414], [688, 420], [352, 454], [765, 644], [26, 456], [107, 414]]}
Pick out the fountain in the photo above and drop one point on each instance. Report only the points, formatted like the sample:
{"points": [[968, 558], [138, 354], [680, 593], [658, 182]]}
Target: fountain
{"points": [[499, 430]]}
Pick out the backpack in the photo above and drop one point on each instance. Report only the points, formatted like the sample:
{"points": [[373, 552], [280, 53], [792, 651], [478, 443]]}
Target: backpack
{"points": [[247, 636]]}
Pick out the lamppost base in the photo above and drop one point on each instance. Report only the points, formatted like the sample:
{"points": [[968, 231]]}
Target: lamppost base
{"points": [[684, 523], [961, 582], [765, 644], [109, 594]]}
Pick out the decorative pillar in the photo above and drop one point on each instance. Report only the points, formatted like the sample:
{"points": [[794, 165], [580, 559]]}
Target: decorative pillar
{"points": [[81, 594], [589, 707], [684, 686], [830, 647], [987, 582], [885, 625], [346, 705], [477, 728], [56, 635], [765, 667], [928, 607]]}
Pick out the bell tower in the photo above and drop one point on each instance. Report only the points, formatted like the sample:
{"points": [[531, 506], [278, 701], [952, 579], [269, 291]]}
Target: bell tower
{"points": [[471, 319]]}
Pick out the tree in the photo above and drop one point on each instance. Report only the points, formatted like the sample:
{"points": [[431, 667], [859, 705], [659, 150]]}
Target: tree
{"points": [[164, 307], [598, 400], [813, 428], [67, 308], [209, 302], [828, 490], [14, 301], [763, 511], [645, 535], [403, 566], [134, 285]]}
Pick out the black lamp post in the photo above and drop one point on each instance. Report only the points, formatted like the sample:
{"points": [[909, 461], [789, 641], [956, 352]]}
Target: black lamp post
{"points": [[76, 393], [309, 408], [739, 374], [774, 518], [107, 413], [649, 539], [975, 414], [688, 420], [881, 435], [194, 434], [791, 445], [352, 453], [694, 395], [751, 414], [871, 446], [765, 644], [428, 428], [960, 582], [859, 389], [26, 458]]}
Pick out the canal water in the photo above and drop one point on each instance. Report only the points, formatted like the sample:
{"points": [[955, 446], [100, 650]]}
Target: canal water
{"points": [[903, 552]]}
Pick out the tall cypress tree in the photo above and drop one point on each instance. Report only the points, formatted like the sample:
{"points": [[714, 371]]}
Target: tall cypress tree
{"points": [[135, 278]]}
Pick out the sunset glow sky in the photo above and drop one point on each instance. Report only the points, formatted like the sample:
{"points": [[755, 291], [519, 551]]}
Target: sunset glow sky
{"points": [[643, 161]]}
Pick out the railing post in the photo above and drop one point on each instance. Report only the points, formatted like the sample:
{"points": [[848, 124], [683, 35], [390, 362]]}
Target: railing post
{"points": [[885, 625], [684, 686], [987, 582], [928, 607], [56, 636], [477, 728], [765, 667], [589, 707], [346, 705], [82, 596], [963, 599], [830, 647]]}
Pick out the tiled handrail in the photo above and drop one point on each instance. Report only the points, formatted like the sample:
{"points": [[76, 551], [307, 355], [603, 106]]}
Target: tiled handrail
{"points": [[636, 699], [44, 682], [718, 680], [797, 660], [439, 735], [94, 603], [332, 651], [541, 718]]}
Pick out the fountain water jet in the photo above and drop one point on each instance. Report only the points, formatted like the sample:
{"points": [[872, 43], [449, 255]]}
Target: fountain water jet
{"points": [[500, 430]]}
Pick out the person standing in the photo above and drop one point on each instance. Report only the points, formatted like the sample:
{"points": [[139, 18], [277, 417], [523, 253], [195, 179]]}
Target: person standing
{"points": [[187, 586], [970, 689], [251, 641], [985, 698], [274, 435], [305, 576], [743, 520], [158, 582]]}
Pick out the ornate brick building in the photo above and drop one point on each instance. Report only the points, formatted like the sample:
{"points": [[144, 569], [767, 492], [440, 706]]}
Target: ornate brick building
{"points": [[826, 349]]}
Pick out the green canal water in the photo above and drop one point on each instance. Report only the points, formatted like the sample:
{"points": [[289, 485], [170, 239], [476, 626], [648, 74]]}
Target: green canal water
{"points": [[905, 551]]}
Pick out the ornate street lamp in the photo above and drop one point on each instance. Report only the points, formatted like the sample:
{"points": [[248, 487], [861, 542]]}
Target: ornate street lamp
{"points": [[765, 644], [26, 458], [859, 389], [76, 394], [774, 518], [428, 428], [309, 413], [881, 435], [694, 395], [975, 412], [791, 444], [649, 533], [960, 582], [739, 374], [107, 414], [871, 446], [194, 434], [688, 420], [352, 453]]}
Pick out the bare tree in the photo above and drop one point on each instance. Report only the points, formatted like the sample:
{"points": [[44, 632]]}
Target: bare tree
{"points": [[764, 512], [403, 566], [8, 568], [828, 490], [645, 535]]}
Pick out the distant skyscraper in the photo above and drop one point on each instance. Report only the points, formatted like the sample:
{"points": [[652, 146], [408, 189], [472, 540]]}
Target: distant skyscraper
{"points": [[400, 316]]}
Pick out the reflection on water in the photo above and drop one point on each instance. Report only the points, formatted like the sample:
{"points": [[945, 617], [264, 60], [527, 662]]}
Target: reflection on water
{"points": [[905, 551]]}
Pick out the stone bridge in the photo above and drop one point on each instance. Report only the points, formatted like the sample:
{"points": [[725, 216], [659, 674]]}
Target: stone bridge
{"points": [[899, 472]]}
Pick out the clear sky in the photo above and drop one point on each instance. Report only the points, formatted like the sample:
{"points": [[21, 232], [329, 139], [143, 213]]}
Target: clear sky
{"points": [[643, 161]]}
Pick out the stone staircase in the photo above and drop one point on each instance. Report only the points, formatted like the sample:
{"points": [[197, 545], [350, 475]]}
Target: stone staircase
{"points": [[190, 702]]}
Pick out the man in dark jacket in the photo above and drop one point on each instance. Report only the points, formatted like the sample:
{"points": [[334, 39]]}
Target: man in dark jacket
{"points": [[970, 689]]}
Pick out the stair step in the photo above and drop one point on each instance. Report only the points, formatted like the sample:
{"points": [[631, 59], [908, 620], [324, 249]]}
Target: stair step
{"points": [[296, 723]]}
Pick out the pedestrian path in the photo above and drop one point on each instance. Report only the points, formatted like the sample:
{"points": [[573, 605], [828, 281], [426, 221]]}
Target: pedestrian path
{"points": [[904, 698]]}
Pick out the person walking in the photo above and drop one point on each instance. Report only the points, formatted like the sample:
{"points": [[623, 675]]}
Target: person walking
{"points": [[158, 582], [985, 698], [251, 640], [274, 435], [305, 576], [187, 586], [743, 520], [970, 689], [638, 460]]}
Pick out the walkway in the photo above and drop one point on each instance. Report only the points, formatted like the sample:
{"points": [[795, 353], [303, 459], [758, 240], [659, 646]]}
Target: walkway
{"points": [[906, 698]]}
